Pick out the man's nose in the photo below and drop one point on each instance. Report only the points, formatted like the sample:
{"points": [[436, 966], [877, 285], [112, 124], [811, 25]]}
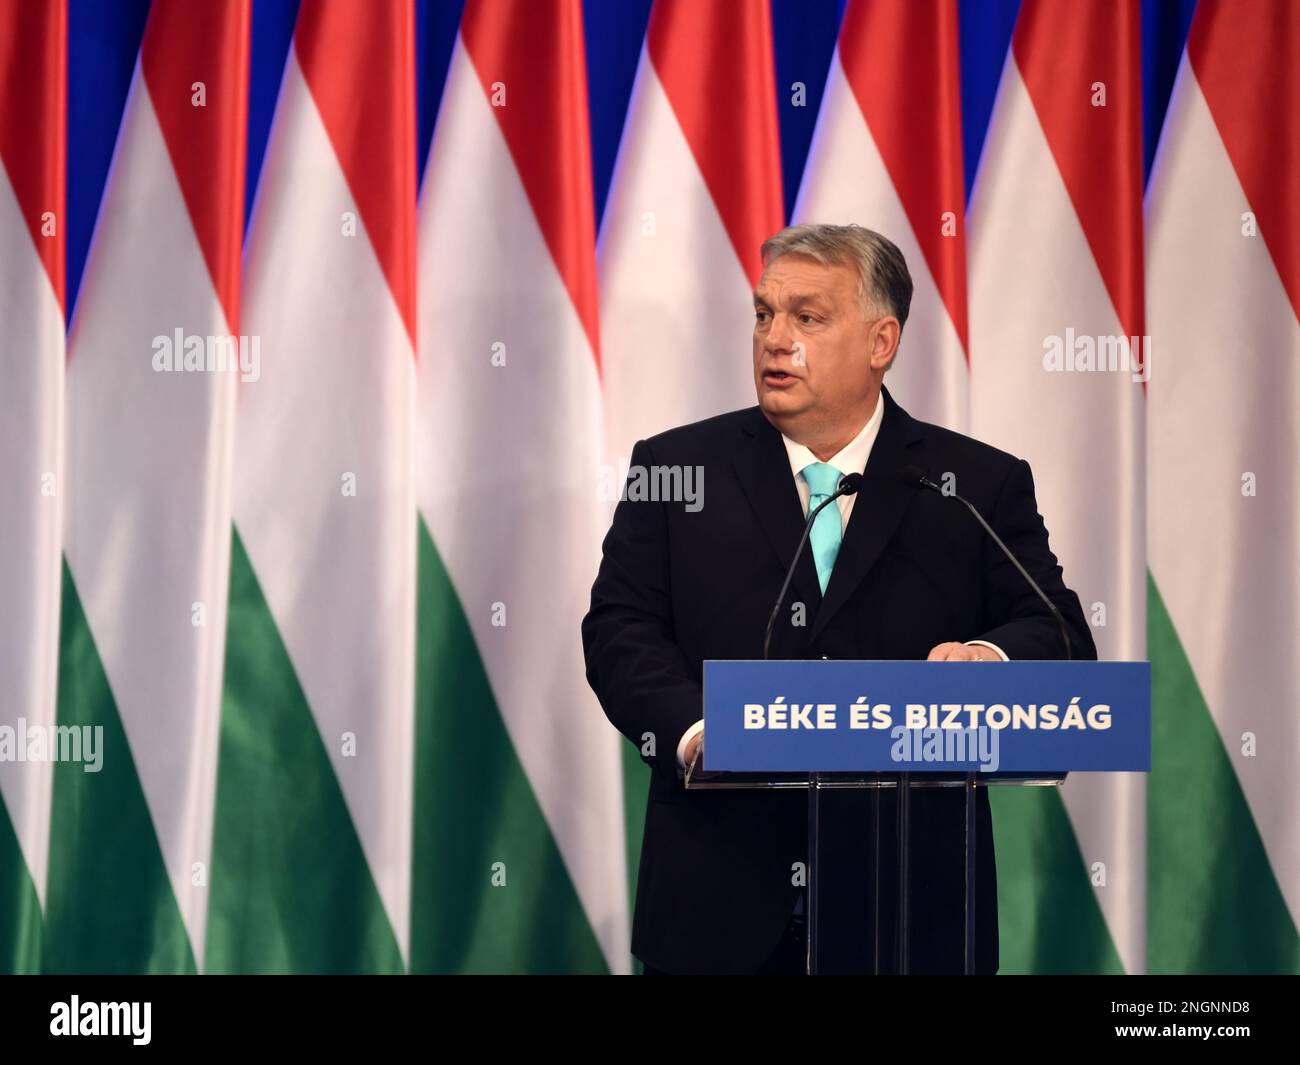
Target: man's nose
{"points": [[778, 339]]}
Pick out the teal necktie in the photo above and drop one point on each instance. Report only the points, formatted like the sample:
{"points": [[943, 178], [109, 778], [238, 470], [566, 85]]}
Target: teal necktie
{"points": [[822, 480]]}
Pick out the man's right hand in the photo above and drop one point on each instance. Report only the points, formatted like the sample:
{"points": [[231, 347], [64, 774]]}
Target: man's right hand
{"points": [[692, 746]]}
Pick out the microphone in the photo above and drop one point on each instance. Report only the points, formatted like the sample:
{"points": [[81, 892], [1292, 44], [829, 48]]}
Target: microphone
{"points": [[849, 484], [915, 476]]}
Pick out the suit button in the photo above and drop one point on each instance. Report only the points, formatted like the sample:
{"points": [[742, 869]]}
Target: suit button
{"points": [[825, 658]]}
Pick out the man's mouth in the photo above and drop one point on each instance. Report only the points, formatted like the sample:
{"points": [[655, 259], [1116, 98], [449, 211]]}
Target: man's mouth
{"points": [[778, 378]]}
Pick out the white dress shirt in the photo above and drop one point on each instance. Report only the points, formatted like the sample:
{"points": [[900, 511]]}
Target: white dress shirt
{"points": [[851, 458]]}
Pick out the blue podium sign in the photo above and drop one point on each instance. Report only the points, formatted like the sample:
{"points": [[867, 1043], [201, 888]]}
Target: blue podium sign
{"points": [[921, 717]]}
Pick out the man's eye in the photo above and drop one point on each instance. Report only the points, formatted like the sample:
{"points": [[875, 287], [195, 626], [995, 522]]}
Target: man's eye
{"points": [[761, 315], [807, 319]]}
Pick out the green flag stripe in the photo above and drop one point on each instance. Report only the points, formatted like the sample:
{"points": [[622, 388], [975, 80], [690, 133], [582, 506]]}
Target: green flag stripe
{"points": [[1214, 905], [110, 906], [20, 910], [490, 890], [291, 889], [1048, 916]]}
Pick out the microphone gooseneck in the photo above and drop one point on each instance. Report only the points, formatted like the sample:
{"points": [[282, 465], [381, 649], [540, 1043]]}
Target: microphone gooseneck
{"points": [[916, 476]]}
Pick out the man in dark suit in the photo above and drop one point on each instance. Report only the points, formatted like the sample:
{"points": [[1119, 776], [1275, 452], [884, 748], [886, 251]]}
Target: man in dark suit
{"points": [[894, 572]]}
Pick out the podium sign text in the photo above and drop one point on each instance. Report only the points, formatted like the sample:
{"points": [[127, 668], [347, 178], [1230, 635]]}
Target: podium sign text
{"points": [[919, 717]]}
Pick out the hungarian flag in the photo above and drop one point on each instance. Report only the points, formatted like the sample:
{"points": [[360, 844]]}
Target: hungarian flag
{"points": [[1223, 299], [696, 191], [147, 509], [33, 110], [1055, 264], [519, 815], [317, 774], [887, 154], [301, 518]]}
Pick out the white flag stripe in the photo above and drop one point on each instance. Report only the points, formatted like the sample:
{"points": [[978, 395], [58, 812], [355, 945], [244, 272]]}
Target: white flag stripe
{"points": [[675, 314], [31, 533], [1224, 395], [508, 481], [1033, 276], [333, 409], [846, 180], [148, 511]]}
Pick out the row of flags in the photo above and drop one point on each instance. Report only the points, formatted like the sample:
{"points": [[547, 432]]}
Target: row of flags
{"points": [[324, 610]]}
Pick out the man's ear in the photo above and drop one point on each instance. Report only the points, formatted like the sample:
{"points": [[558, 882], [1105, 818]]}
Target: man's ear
{"points": [[885, 336]]}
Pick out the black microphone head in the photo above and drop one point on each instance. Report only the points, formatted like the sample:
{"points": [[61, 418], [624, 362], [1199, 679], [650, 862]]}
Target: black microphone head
{"points": [[850, 483], [914, 475]]}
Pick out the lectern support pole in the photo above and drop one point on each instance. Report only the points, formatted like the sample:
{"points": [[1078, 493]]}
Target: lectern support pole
{"points": [[875, 879], [972, 844], [812, 874], [903, 931]]}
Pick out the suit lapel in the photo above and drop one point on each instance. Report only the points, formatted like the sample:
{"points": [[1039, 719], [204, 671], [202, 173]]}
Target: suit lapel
{"points": [[763, 466], [878, 510]]}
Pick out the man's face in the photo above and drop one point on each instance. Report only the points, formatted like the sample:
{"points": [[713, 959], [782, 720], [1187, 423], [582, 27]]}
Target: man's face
{"points": [[812, 346]]}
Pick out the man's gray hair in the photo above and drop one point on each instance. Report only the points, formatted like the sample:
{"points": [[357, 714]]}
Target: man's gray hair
{"points": [[884, 282]]}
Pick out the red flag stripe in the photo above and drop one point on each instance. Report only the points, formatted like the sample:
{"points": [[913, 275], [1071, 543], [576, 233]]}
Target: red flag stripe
{"points": [[901, 60], [186, 46], [33, 121], [715, 64], [535, 52], [1063, 49], [1247, 62], [358, 58]]}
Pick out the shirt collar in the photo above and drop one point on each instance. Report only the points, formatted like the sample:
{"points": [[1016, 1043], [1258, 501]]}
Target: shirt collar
{"points": [[852, 457]]}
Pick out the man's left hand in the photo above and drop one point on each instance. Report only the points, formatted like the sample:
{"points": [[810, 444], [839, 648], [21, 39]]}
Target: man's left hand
{"points": [[960, 652]]}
